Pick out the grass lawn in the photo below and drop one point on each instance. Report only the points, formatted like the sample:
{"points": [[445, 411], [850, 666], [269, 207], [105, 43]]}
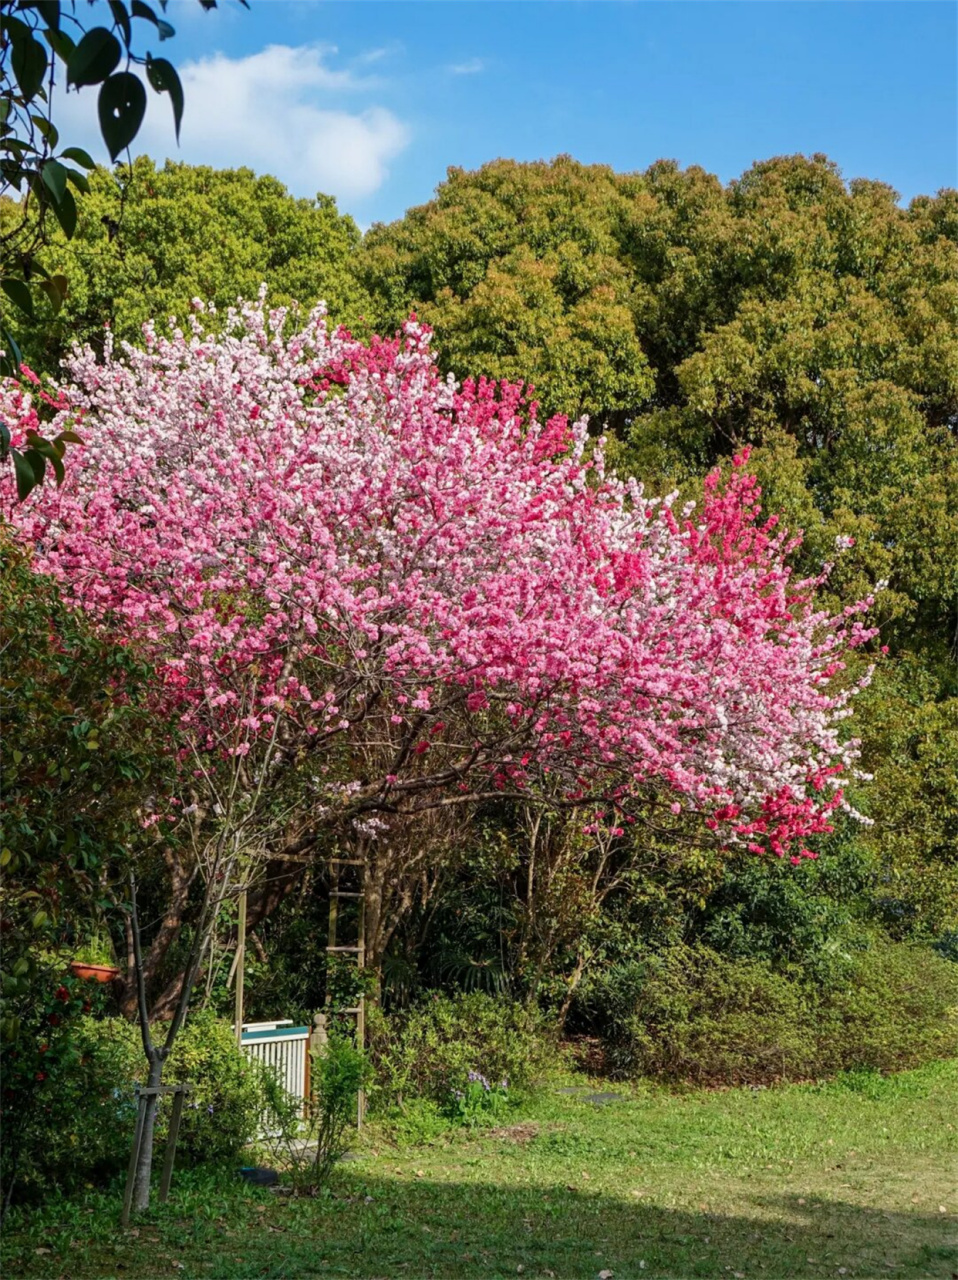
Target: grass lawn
{"points": [[855, 1178]]}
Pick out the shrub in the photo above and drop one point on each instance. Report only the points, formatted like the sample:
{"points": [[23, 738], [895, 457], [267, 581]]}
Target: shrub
{"points": [[82, 1130], [692, 1014], [223, 1110], [479, 1101], [309, 1146], [899, 1010], [429, 1051]]}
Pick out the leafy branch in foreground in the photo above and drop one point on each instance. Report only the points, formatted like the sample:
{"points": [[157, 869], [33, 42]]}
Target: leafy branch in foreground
{"points": [[41, 42]]}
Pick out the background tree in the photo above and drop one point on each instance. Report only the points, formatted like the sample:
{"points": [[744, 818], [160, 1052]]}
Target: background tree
{"points": [[518, 268], [151, 239]]}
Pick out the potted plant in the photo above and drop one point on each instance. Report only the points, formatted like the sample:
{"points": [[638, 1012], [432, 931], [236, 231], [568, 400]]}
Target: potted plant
{"points": [[94, 961]]}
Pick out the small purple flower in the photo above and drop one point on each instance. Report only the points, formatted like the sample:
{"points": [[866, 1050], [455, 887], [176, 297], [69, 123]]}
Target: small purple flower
{"points": [[210, 1108]]}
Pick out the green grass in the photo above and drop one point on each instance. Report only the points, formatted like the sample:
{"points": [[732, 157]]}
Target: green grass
{"points": [[855, 1179]]}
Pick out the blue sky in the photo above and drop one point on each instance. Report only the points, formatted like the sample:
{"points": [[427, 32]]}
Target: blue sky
{"points": [[372, 101]]}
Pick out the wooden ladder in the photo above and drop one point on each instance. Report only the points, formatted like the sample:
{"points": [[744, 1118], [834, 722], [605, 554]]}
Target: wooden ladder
{"points": [[334, 947]]}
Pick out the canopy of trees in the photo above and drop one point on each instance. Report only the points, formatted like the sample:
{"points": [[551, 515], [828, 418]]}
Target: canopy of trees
{"points": [[148, 242], [808, 319]]}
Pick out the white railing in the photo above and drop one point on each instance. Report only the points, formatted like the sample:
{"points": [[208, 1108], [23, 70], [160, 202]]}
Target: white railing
{"points": [[282, 1047]]}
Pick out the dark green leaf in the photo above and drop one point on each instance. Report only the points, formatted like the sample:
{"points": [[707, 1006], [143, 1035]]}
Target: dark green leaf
{"points": [[19, 294], [55, 291], [94, 57], [29, 59], [49, 11], [54, 457], [11, 172], [47, 128], [162, 76], [121, 106], [141, 10], [122, 19], [26, 480], [55, 177], [61, 44], [70, 437], [10, 360], [79, 180], [37, 463], [165, 30], [4, 441], [52, 450], [79, 155], [66, 213]]}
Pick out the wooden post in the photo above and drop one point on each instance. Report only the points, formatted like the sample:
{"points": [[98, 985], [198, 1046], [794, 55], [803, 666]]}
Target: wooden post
{"points": [[171, 1137], [333, 906], [240, 965], [134, 1159]]}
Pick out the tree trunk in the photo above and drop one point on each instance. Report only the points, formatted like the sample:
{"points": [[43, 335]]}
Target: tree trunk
{"points": [[163, 939], [144, 1166], [281, 879]]}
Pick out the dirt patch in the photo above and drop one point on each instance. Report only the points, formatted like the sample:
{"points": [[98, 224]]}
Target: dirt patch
{"points": [[518, 1133]]}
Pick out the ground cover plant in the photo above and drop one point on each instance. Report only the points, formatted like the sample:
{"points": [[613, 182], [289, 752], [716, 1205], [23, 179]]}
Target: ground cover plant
{"points": [[853, 1178]]}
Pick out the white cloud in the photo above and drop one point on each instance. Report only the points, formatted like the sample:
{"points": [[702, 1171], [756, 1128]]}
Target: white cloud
{"points": [[275, 111], [470, 68]]}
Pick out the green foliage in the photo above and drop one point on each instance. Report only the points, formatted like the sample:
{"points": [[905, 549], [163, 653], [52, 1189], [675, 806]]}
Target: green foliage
{"points": [[910, 745], [84, 753], [308, 1146], [429, 1050], [803, 917], [518, 268], [346, 983], [150, 241], [691, 1014], [899, 1009], [224, 1107], [45, 1082], [479, 1101], [81, 1117]]}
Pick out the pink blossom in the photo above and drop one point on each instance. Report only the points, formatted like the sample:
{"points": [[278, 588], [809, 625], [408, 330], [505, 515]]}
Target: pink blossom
{"points": [[265, 516]]}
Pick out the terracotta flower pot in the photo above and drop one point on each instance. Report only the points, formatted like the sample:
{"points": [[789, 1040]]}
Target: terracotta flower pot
{"points": [[94, 972]]}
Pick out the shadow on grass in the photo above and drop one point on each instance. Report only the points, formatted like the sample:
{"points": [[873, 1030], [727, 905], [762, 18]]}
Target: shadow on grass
{"points": [[382, 1228]]}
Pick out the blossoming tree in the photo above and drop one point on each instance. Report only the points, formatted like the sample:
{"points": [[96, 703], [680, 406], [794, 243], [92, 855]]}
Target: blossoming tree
{"points": [[368, 592]]}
